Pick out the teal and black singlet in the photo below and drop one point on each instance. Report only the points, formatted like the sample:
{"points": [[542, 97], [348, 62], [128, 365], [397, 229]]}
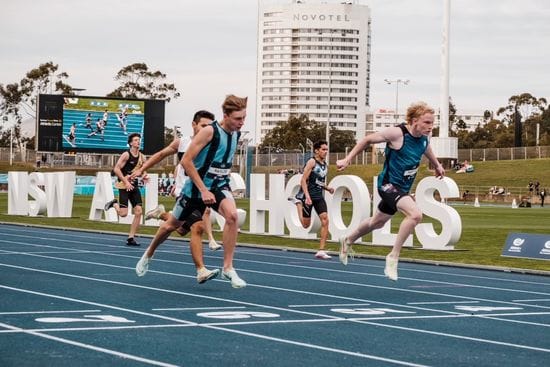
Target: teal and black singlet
{"points": [[401, 165], [214, 161]]}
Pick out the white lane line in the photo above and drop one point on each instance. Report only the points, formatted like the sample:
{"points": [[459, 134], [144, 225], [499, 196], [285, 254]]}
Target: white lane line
{"points": [[94, 303], [298, 291], [310, 278], [440, 303], [242, 250], [455, 336], [265, 306], [46, 312], [442, 283], [330, 305], [196, 308], [532, 300], [91, 347], [314, 346]]}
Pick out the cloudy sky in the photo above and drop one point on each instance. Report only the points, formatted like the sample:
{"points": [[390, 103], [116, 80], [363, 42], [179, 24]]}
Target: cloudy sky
{"points": [[208, 48]]}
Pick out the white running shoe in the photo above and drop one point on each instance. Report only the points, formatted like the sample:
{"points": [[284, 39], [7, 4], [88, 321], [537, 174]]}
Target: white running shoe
{"points": [[346, 251], [391, 268], [213, 245], [143, 265], [236, 281], [155, 213], [322, 254], [204, 275]]}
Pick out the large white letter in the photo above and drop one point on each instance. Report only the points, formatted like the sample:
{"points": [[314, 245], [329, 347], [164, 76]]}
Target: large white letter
{"points": [[451, 222], [383, 236], [259, 205], [360, 200], [18, 193], [59, 193], [103, 192], [37, 206], [151, 197]]}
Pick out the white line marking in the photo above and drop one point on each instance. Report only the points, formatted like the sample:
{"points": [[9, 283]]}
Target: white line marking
{"points": [[450, 335], [330, 305], [91, 347], [313, 346], [455, 336], [195, 308], [440, 303], [93, 303], [532, 300], [43, 312], [244, 250], [317, 269]]}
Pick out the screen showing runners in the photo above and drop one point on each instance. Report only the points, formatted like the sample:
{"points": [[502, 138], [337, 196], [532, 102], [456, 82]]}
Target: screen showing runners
{"points": [[98, 123]]}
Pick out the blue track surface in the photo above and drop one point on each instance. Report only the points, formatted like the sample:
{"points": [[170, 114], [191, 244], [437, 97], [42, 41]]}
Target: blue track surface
{"points": [[114, 137], [70, 298]]}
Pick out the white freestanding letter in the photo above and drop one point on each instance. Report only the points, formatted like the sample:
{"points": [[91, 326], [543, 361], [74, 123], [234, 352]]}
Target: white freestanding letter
{"points": [[259, 205], [103, 192], [361, 204], [18, 193], [451, 222], [59, 193], [39, 205], [151, 197]]}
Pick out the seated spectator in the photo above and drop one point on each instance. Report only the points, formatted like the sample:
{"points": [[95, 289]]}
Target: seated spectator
{"points": [[466, 167]]}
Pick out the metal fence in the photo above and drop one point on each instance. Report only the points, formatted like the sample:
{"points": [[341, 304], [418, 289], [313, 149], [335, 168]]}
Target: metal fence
{"points": [[287, 160]]}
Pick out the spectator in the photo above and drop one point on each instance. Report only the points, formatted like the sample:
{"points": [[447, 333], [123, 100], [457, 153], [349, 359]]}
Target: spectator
{"points": [[542, 194]]}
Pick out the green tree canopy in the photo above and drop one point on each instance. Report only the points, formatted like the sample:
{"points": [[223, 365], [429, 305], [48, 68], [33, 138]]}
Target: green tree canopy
{"points": [[288, 135], [137, 81], [18, 100]]}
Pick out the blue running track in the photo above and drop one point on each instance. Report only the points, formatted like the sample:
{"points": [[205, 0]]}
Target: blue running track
{"points": [[72, 298]]}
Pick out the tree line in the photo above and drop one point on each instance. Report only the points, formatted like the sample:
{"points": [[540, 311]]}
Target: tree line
{"points": [[18, 99], [515, 124]]}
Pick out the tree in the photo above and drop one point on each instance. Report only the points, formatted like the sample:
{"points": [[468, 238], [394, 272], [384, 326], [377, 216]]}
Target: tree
{"points": [[526, 104], [520, 108], [288, 135], [137, 81], [18, 100]]}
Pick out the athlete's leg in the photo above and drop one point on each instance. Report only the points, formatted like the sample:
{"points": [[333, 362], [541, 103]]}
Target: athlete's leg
{"points": [[413, 216]]}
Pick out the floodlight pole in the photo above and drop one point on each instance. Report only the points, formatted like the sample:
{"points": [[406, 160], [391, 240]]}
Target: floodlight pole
{"points": [[397, 81]]}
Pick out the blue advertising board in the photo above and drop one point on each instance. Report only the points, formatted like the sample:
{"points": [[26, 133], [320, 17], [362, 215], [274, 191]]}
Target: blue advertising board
{"points": [[527, 245]]}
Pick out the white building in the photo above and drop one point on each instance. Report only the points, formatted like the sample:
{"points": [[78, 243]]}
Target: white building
{"points": [[313, 59], [384, 117]]}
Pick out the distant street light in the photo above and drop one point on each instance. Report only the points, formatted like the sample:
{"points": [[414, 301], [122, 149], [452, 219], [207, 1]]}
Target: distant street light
{"points": [[397, 81]]}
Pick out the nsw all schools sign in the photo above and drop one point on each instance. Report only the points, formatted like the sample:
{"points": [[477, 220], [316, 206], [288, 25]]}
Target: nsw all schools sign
{"points": [[533, 246]]}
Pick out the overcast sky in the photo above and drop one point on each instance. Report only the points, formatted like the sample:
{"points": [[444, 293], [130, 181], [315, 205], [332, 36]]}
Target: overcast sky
{"points": [[498, 48]]}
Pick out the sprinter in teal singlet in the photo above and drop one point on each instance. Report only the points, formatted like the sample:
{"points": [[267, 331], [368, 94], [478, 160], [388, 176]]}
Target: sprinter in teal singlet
{"points": [[405, 145], [207, 162]]}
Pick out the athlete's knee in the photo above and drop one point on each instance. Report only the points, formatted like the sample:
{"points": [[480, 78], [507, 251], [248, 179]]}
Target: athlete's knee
{"points": [[123, 212], [198, 228], [415, 216], [231, 218], [138, 210], [324, 220]]}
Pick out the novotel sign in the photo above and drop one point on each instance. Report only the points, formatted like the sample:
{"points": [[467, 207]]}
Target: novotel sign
{"points": [[321, 17], [52, 195]]}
